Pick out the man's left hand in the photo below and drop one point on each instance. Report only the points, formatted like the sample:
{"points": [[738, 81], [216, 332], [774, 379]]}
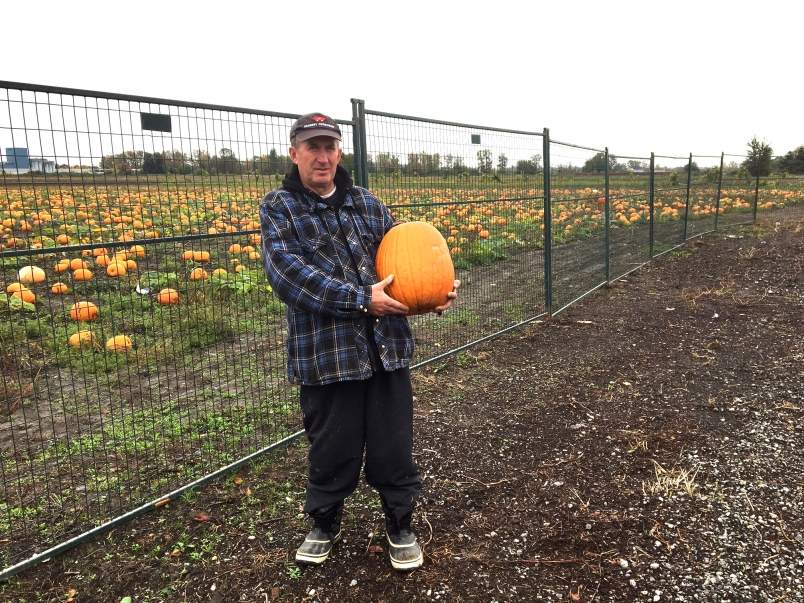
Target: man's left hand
{"points": [[451, 296]]}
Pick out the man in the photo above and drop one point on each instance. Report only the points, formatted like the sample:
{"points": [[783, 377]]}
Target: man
{"points": [[349, 343]]}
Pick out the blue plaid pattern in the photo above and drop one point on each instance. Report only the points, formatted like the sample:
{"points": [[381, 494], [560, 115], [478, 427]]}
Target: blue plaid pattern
{"points": [[308, 265]]}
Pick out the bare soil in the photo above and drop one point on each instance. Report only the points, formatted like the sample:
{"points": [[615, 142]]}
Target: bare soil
{"points": [[644, 445]]}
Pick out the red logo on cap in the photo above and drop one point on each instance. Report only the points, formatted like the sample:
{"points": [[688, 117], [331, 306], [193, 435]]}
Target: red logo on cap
{"points": [[319, 118]]}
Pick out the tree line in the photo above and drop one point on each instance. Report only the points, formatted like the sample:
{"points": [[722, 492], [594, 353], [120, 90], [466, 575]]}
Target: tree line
{"points": [[759, 161], [202, 163]]}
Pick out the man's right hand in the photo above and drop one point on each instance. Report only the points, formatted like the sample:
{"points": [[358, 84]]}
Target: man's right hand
{"points": [[383, 304]]}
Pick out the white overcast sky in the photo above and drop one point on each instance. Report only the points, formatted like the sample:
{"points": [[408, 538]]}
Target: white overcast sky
{"points": [[668, 77]]}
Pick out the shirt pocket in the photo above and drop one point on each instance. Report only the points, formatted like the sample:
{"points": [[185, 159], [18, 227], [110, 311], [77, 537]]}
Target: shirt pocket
{"points": [[318, 251]]}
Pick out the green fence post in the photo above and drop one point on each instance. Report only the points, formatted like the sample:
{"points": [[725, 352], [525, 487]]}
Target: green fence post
{"points": [[650, 202], [607, 218], [548, 227], [363, 145], [756, 197], [357, 142], [719, 189], [687, 202]]}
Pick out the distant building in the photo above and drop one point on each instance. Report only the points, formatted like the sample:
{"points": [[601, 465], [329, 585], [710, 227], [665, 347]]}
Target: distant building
{"points": [[17, 161]]}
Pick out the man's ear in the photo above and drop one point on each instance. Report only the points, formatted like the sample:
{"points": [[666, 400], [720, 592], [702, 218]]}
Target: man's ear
{"points": [[292, 153]]}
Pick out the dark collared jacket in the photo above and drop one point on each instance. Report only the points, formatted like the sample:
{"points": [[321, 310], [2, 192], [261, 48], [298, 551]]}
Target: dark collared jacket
{"points": [[319, 258]]}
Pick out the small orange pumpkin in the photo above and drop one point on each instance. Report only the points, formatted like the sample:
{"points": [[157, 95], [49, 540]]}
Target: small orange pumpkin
{"points": [[14, 287], [30, 274], [198, 274], [78, 264], [59, 288], [25, 295], [83, 311], [167, 297], [82, 274], [119, 343], [116, 268], [81, 338]]}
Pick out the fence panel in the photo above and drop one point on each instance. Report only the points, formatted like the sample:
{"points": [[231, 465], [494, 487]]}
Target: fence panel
{"points": [[630, 214], [670, 194], [780, 194], [578, 179], [704, 184], [737, 193], [148, 210], [482, 188]]}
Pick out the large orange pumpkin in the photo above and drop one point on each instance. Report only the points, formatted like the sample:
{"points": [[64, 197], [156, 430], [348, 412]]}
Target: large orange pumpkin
{"points": [[418, 257]]}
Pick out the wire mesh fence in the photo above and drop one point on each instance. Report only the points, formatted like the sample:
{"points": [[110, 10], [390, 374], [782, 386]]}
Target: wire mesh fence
{"points": [[141, 347], [781, 194], [577, 229], [629, 191], [144, 347], [672, 185], [482, 187]]}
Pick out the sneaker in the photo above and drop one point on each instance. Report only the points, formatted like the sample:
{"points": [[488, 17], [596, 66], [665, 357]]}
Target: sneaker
{"points": [[317, 546], [404, 551]]}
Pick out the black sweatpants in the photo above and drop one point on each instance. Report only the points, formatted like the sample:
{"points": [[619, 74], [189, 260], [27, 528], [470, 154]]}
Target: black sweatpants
{"points": [[344, 418]]}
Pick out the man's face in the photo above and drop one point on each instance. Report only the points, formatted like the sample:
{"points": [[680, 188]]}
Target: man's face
{"points": [[317, 159]]}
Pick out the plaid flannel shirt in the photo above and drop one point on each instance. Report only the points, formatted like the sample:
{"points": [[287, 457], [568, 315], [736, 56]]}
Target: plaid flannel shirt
{"points": [[308, 266]]}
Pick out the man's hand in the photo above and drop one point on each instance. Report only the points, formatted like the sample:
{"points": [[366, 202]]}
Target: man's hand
{"points": [[383, 304], [452, 295]]}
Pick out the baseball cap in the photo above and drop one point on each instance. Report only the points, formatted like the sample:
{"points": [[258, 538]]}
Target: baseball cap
{"points": [[312, 125]]}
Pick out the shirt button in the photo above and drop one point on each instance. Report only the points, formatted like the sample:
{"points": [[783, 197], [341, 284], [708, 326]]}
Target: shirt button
{"points": [[376, 320]]}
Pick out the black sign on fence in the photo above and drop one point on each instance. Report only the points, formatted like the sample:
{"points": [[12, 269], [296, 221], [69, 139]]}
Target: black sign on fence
{"points": [[475, 138], [155, 122]]}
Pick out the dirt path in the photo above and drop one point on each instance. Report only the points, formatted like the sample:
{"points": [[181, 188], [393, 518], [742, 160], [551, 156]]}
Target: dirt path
{"points": [[643, 446]]}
